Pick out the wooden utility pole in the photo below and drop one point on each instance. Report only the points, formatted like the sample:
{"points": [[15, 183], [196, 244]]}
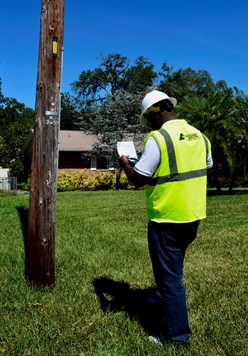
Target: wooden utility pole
{"points": [[40, 244]]}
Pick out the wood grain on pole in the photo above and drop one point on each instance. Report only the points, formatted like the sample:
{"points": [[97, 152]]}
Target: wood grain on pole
{"points": [[40, 244]]}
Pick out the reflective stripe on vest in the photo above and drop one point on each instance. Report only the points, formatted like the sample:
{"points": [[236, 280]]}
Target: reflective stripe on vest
{"points": [[174, 176]]}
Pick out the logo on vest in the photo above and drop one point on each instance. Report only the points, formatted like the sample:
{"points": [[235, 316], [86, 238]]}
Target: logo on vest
{"points": [[189, 137]]}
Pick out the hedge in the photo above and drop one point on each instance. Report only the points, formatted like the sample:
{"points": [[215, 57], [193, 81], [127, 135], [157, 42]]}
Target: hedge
{"points": [[88, 182]]}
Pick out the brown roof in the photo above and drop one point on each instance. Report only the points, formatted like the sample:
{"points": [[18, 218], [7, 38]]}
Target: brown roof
{"points": [[76, 141], [80, 141]]}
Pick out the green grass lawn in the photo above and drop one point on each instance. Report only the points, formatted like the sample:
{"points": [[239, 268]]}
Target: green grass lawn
{"points": [[103, 273]]}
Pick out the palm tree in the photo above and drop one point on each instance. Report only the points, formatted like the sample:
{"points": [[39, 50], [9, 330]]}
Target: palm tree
{"points": [[241, 143], [216, 117]]}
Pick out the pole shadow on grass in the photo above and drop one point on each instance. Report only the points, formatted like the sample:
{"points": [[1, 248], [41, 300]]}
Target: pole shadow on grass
{"points": [[23, 215], [118, 296]]}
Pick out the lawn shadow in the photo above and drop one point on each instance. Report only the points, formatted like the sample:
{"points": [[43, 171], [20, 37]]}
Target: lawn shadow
{"points": [[235, 191], [118, 296]]}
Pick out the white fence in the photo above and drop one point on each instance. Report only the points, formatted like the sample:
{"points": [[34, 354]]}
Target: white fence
{"points": [[8, 184]]}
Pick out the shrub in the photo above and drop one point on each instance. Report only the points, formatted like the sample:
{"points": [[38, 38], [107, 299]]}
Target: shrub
{"points": [[24, 185], [69, 182], [87, 182]]}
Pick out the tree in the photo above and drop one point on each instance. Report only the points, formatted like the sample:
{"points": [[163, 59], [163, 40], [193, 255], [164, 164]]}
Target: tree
{"points": [[109, 98], [16, 120], [215, 116], [140, 76], [70, 116], [188, 83], [10, 112], [240, 142], [115, 118], [93, 86], [114, 74], [1, 95]]}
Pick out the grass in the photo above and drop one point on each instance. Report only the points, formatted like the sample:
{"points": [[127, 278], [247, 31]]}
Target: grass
{"points": [[103, 273]]}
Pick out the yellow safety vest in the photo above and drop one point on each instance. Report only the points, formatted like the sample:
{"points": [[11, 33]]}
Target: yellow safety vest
{"points": [[177, 190]]}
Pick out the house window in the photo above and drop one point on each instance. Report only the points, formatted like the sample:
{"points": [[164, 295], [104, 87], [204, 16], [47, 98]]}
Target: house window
{"points": [[99, 162], [93, 163], [111, 164]]}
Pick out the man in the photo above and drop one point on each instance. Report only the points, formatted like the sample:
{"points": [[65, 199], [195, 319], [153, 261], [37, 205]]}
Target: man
{"points": [[173, 166]]}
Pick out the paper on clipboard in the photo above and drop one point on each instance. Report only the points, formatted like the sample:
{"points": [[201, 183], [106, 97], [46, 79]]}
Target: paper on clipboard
{"points": [[127, 148]]}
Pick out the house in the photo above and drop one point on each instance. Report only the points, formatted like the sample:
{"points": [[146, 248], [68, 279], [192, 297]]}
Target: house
{"points": [[75, 149]]}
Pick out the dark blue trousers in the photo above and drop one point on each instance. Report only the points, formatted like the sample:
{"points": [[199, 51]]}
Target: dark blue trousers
{"points": [[168, 243]]}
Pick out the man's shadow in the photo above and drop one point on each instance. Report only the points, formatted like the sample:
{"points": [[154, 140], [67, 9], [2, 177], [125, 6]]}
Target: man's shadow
{"points": [[117, 296]]}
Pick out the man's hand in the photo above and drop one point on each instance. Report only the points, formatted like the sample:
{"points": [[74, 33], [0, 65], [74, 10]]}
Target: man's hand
{"points": [[123, 160], [138, 180]]}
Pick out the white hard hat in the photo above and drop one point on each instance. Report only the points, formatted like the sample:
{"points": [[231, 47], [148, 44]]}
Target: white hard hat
{"points": [[152, 98]]}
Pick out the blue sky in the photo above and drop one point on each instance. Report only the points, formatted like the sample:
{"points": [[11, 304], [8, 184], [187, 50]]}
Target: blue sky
{"points": [[209, 35]]}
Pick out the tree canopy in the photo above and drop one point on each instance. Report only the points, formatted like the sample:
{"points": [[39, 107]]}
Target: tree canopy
{"points": [[188, 83], [16, 120], [114, 74]]}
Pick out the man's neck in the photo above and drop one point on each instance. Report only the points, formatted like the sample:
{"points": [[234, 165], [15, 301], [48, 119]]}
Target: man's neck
{"points": [[168, 116]]}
